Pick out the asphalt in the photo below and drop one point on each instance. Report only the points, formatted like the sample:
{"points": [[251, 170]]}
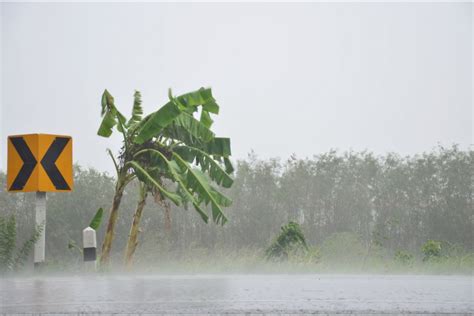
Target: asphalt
{"points": [[238, 294]]}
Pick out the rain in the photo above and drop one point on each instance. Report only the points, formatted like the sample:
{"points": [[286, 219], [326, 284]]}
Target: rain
{"points": [[236, 158]]}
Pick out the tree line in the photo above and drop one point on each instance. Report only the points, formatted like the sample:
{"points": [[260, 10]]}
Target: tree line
{"points": [[389, 201]]}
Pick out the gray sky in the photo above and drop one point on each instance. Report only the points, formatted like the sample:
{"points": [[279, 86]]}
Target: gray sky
{"points": [[290, 78]]}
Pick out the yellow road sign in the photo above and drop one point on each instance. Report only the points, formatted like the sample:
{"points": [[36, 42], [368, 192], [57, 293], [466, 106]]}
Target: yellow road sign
{"points": [[39, 162]]}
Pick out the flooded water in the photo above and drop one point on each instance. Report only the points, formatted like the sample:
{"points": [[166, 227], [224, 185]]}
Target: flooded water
{"points": [[221, 294]]}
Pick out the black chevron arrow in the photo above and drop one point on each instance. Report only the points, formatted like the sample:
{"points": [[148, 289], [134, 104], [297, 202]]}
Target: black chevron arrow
{"points": [[29, 163], [49, 163]]}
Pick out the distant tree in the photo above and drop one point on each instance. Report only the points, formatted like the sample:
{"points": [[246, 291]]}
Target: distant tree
{"points": [[390, 202]]}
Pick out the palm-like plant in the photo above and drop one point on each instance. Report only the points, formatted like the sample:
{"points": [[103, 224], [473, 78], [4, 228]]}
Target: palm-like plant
{"points": [[175, 156]]}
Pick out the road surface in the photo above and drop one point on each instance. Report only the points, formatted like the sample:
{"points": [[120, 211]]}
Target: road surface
{"points": [[238, 294]]}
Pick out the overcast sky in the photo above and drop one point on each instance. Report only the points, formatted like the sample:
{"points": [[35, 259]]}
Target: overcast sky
{"points": [[290, 78]]}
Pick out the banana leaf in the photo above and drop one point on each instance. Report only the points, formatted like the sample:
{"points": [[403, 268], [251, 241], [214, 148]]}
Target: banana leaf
{"points": [[219, 146], [97, 220], [111, 116], [137, 110], [198, 183], [144, 176], [176, 171], [157, 121], [208, 164]]}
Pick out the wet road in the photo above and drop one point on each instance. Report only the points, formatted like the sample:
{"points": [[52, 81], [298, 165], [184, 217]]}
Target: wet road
{"points": [[233, 294]]}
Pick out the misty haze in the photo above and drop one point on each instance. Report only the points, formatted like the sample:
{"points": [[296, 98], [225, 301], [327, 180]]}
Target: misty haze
{"points": [[236, 158]]}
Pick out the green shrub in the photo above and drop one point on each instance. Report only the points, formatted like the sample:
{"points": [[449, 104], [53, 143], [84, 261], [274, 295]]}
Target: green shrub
{"points": [[431, 250], [291, 239], [12, 259], [403, 257], [452, 249]]}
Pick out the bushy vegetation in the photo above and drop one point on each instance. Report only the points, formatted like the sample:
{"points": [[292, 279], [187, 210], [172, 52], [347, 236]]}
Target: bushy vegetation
{"points": [[13, 256], [290, 239], [403, 257], [431, 250], [357, 211]]}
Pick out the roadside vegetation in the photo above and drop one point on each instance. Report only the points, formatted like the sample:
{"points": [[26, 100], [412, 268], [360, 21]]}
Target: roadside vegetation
{"points": [[13, 255], [173, 156], [358, 213], [290, 241]]}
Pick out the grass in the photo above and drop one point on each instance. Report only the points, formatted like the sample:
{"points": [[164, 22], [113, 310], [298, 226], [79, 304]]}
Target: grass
{"points": [[339, 254], [253, 261], [202, 261]]}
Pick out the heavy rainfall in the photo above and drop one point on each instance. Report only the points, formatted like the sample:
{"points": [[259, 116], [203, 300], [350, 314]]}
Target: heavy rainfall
{"points": [[212, 197]]}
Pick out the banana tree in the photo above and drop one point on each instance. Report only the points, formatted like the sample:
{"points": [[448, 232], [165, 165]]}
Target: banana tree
{"points": [[173, 154], [134, 229]]}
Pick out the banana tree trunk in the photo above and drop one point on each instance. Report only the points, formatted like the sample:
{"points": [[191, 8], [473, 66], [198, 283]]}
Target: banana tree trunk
{"points": [[167, 207], [109, 235], [134, 229]]}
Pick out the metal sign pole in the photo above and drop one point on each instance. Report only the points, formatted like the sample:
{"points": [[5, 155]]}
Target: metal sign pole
{"points": [[40, 221]]}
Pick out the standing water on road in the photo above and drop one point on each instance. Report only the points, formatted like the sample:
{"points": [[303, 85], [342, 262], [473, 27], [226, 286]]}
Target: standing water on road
{"points": [[296, 293]]}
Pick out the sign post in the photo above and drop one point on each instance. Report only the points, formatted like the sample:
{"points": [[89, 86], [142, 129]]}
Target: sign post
{"points": [[39, 163], [40, 221]]}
